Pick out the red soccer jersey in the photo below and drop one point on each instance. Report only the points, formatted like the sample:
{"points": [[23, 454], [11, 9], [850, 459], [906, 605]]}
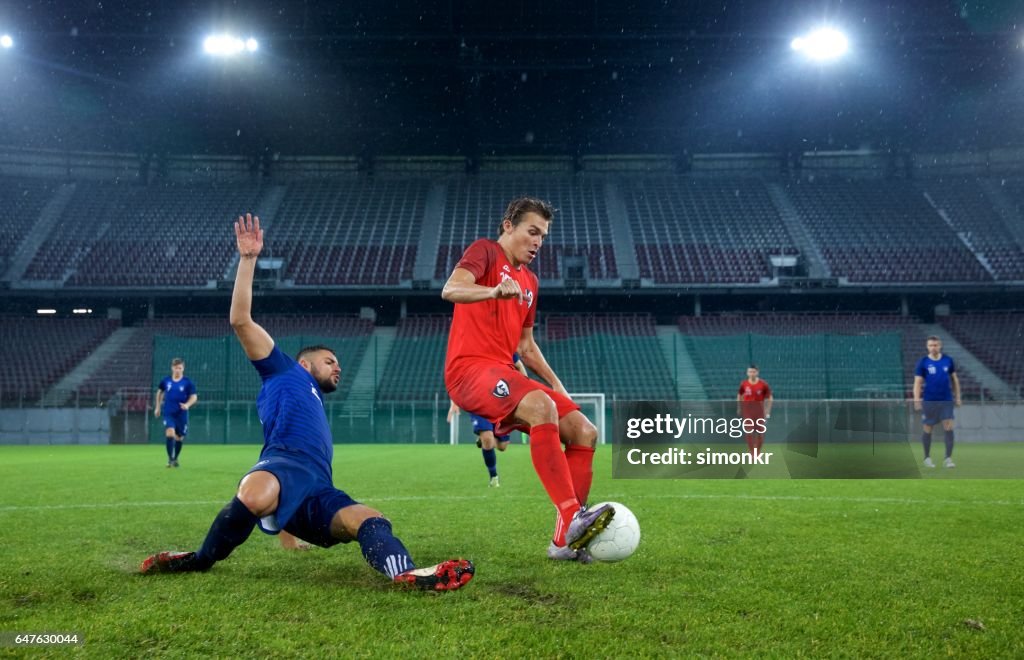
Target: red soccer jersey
{"points": [[490, 329], [754, 392]]}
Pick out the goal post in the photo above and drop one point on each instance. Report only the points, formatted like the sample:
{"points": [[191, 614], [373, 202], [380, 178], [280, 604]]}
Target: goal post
{"points": [[592, 404]]}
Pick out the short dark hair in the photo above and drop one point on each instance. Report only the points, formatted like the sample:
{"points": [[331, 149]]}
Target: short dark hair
{"points": [[519, 207], [176, 361], [313, 349], [754, 366], [933, 338]]}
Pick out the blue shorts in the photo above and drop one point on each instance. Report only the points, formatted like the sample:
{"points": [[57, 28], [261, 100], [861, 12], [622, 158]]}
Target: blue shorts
{"points": [[480, 425], [178, 422], [933, 412], [307, 502]]}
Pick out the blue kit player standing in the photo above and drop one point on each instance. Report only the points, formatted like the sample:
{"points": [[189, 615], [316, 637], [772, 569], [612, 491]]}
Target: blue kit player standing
{"points": [[175, 395], [936, 375], [486, 439], [291, 487]]}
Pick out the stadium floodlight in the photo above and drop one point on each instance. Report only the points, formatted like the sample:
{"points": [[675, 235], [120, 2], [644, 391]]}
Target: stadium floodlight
{"points": [[227, 45], [46, 311], [6, 41], [822, 45]]}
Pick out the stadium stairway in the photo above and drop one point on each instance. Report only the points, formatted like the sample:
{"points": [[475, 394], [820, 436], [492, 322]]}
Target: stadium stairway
{"points": [[364, 383], [41, 228], [817, 267], [1005, 208], [61, 392], [618, 218], [430, 241], [677, 357], [985, 376], [963, 236]]}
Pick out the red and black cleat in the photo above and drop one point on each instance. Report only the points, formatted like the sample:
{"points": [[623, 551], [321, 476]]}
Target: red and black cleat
{"points": [[446, 576], [168, 562]]}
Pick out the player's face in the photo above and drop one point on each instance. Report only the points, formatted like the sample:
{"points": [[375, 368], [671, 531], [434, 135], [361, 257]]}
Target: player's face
{"points": [[178, 370], [524, 240], [325, 370], [752, 374], [934, 347]]}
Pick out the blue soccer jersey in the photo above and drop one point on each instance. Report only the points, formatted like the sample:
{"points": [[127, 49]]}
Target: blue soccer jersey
{"points": [[936, 375], [291, 409], [176, 392]]}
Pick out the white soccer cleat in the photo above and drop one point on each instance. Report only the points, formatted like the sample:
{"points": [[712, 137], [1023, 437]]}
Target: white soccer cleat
{"points": [[948, 463], [494, 483], [928, 463]]}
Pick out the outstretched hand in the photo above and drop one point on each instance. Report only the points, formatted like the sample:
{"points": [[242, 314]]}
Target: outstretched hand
{"points": [[249, 235]]}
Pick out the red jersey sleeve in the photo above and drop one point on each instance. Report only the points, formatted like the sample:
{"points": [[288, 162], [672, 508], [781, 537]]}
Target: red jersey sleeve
{"points": [[767, 391], [740, 391], [531, 316], [477, 258]]}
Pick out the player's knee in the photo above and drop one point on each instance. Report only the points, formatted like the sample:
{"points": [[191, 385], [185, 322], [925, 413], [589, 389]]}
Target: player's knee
{"points": [[586, 435], [259, 492], [537, 408]]}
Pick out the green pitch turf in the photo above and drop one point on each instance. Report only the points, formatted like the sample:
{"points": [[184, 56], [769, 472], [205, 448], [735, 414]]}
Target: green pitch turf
{"points": [[773, 568]]}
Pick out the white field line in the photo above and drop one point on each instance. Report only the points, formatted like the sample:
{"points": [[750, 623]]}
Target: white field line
{"points": [[611, 497]]}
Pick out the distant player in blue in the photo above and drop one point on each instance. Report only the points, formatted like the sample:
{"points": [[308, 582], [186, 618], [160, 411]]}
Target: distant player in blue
{"points": [[175, 395], [936, 375], [291, 487], [484, 430]]}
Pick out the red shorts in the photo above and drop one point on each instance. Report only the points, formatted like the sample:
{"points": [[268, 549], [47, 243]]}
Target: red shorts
{"points": [[493, 391]]}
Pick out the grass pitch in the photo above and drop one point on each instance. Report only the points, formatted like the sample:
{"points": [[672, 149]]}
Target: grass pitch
{"points": [[725, 568]]}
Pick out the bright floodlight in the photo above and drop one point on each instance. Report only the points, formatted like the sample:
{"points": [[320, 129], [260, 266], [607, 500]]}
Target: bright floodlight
{"points": [[6, 41], [226, 45], [822, 45]]}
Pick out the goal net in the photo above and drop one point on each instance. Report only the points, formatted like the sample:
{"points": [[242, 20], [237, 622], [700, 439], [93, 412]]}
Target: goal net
{"points": [[591, 404]]}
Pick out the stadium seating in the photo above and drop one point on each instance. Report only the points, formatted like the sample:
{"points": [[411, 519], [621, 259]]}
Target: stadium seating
{"points": [[155, 236], [581, 228], [882, 231], [996, 340], [811, 355], [971, 213], [354, 231], [37, 352], [716, 231], [415, 368], [21, 201]]}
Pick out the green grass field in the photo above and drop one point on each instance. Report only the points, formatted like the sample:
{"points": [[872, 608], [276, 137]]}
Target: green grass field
{"points": [[901, 568]]}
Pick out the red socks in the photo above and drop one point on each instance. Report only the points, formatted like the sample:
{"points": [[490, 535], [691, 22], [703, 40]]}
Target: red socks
{"points": [[581, 467], [553, 469]]}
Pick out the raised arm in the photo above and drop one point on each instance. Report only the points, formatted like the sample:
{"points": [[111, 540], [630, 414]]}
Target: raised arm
{"points": [[529, 353], [254, 339], [461, 287]]}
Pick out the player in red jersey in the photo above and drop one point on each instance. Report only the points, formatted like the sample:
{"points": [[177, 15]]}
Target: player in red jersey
{"points": [[495, 296], [754, 402]]}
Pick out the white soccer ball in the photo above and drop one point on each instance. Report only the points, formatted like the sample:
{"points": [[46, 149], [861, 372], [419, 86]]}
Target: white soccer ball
{"points": [[619, 539]]}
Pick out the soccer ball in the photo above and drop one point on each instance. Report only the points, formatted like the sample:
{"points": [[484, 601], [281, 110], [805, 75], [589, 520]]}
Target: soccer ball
{"points": [[619, 539]]}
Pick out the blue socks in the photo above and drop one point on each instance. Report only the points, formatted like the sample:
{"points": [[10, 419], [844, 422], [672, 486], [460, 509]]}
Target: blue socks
{"points": [[491, 461], [229, 530], [949, 444], [926, 440], [177, 449], [382, 550], [170, 449]]}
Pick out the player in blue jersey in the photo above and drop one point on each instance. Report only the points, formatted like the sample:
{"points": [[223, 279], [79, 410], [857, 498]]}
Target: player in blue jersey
{"points": [[175, 395], [936, 392], [291, 487], [486, 440]]}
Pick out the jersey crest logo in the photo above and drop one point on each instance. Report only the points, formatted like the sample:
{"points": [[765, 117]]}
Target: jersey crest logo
{"points": [[500, 389]]}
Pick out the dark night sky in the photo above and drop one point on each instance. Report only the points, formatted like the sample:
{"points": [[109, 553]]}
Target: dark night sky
{"points": [[510, 77]]}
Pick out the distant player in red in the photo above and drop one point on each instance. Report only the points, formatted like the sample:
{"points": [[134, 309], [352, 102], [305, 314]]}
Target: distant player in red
{"points": [[754, 402], [495, 296]]}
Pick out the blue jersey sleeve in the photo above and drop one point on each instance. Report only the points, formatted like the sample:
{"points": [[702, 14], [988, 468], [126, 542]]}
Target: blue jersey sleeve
{"points": [[515, 358], [163, 383], [920, 369], [952, 366], [190, 388], [275, 363]]}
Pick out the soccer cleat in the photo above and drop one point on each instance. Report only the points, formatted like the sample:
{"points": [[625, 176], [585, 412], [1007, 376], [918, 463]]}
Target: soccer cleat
{"points": [[565, 553], [494, 483], [175, 463], [928, 463], [446, 576], [948, 463], [170, 463], [168, 562], [587, 524]]}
